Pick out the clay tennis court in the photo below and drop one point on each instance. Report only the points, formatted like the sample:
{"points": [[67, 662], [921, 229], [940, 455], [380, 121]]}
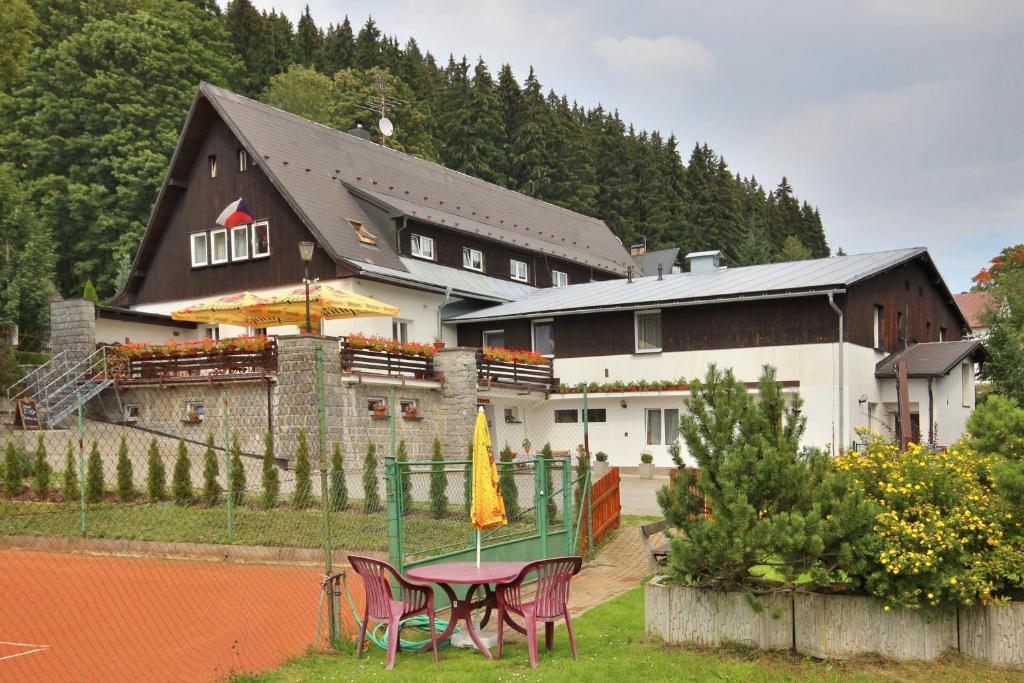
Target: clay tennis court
{"points": [[97, 618]]}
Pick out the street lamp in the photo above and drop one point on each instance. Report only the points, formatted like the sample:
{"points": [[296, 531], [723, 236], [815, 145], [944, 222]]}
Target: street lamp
{"points": [[306, 254]]}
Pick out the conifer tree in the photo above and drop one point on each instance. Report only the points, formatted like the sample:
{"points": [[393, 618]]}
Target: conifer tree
{"points": [[793, 250], [156, 474], [371, 490], [308, 42], [338, 48], [507, 485], [237, 472], [582, 467], [181, 480], [94, 475], [549, 489], [271, 483], [41, 471], [438, 482], [302, 496], [367, 53], [402, 458], [339, 487], [211, 471], [13, 471], [89, 292], [125, 481], [70, 489]]}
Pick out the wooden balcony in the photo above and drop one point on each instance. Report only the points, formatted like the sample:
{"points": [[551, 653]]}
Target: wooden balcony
{"points": [[365, 361], [514, 375], [196, 366]]}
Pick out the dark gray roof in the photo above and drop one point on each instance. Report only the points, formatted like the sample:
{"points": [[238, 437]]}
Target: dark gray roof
{"points": [[833, 273], [647, 264], [932, 359], [464, 283], [320, 169]]}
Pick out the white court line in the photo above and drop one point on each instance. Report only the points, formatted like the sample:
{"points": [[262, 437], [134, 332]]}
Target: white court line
{"points": [[36, 648]]}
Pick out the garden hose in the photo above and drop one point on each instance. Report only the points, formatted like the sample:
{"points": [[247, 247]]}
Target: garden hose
{"points": [[378, 635]]}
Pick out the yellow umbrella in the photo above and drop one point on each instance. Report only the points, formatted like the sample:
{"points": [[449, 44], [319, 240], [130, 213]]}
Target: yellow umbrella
{"points": [[325, 302], [488, 509], [229, 309]]}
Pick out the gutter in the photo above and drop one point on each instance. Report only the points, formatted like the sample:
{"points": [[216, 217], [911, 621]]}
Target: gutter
{"points": [[842, 405], [447, 297]]}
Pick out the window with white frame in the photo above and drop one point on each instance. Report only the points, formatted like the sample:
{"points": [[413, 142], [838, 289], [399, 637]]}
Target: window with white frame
{"points": [[131, 412], [653, 422], [219, 246], [566, 416], [421, 246], [240, 243], [473, 259], [662, 426], [376, 405], [243, 161], [409, 407], [212, 332], [512, 415], [559, 279], [544, 337], [596, 415], [260, 239], [495, 338], [200, 249], [519, 270], [648, 331], [400, 330]]}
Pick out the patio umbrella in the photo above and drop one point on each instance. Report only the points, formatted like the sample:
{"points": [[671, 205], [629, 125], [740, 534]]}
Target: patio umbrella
{"points": [[488, 509], [228, 309], [325, 303]]}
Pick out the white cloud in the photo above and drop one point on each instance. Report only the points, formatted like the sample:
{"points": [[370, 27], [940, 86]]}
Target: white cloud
{"points": [[666, 57]]}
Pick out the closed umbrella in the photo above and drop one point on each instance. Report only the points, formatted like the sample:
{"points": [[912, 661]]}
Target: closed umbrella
{"points": [[488, 508]]}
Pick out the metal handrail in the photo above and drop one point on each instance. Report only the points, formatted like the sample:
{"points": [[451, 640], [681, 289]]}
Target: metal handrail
{"points": [[95, 363], [31, 379]]}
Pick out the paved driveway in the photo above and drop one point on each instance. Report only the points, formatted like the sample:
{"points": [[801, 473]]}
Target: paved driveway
{"points": [[638, 496]]}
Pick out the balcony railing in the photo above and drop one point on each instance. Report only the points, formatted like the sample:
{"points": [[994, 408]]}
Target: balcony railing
{"points": [[515, 375], [194, 366], [361, 360]]}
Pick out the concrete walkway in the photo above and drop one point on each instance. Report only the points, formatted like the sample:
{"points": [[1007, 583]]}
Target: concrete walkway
{"points": [[620, 566], [639, 496]]}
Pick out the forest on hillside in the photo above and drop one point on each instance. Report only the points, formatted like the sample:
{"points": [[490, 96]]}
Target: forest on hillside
{"points": [[93, 94]]}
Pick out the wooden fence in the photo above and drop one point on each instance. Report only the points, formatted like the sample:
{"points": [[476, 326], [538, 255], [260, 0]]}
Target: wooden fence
{"points": [[372, 362], [607, 507], [228, 364], [510, 373]]}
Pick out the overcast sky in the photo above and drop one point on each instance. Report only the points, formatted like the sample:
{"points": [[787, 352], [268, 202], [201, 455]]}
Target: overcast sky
{"points": [[900, 119]]}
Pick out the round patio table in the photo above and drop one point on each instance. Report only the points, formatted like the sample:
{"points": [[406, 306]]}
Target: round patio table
{"points": [[445, 574]]}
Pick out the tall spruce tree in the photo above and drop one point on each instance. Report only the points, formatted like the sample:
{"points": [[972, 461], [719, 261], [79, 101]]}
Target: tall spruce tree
{"points": [[338, 48], [181, 478], [156, 474], [41, 470], [405, 476], [438, 482], [125, 482], [302, 496], [367, 52], [237, 471], [307, 45], [507, 483], [339, 487], [70, 487], [271, 483], [371, 490], [94, 485], [211, 471]]}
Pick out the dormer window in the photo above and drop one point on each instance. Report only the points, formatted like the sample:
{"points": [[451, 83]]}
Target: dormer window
{"points": [[559, 279], [212, 163], [519, 270], [421, 246], [243, 161], [362, 233], [473, 259]]}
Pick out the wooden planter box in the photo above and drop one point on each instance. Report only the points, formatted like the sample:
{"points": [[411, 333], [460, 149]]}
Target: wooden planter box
{"points": [[994, 633], [682, 614], [840, 626]]}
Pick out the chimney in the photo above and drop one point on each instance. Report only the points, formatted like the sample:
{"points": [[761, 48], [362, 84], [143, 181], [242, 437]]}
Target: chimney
{"points": [[361, 132], [638, 249], [660, 269], [704, 261]]}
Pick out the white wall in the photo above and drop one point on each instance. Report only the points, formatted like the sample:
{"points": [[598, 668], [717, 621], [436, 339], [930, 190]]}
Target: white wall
{"points": [[121, 331]]}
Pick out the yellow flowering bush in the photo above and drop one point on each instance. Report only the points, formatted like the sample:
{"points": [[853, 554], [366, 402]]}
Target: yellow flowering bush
{"points": [[938, 528]]}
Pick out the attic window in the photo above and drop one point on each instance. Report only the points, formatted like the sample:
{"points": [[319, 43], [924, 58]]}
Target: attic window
{"points": [[362, 233]]}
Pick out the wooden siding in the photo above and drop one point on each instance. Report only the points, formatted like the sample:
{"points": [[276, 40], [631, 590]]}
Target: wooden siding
{"points": [[914, 308], [169, 274], [448, 246]]}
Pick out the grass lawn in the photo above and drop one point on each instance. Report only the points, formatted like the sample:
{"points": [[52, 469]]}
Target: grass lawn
{"points": [[613, 648]]}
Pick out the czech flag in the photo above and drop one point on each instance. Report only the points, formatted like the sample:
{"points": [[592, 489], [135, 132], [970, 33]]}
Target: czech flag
{"points": [[234, 214]]}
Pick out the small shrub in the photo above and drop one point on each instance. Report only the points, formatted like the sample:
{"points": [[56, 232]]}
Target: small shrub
{"points": [[13, 476], [271, 483], [438, 482], [646, 458], [237, 474], [582, 468], [41, 471], [302, 496], [94, 475], [70, 487], [601, 456], [156, 474], [211, 471], [371, 491], [181, 480], [339, 487], [507, 485], [402, 457], [549, 461], [125, 484]]}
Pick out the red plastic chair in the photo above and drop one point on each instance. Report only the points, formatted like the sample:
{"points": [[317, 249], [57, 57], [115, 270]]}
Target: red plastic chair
{"points": [[549, 604], [381, 606]]}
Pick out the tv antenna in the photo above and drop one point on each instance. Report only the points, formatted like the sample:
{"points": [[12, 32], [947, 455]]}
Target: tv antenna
{"points": [[380, 106]]}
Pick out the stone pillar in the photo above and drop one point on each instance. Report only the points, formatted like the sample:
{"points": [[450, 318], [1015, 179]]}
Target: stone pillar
{"points": [[73, 328], [296, 395], [458, 399]]}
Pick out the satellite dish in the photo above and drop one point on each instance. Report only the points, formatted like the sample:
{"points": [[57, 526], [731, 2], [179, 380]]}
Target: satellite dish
{"points": [[386, 127]]}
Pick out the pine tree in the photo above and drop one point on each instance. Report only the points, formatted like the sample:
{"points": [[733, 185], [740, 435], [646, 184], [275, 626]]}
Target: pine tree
{"points": [[402, 458], [367, 52], [94, 476], [13, 471], [793, 250], [181, 480], [41, 471], [125, 482], [302, 496], [308, 42], [371, 491], [211, 471], [271, 484], [507, 483], [237, 473], [338, 48], [70, 489], [156, 474], [89, 292], [549, 489], [339, 487], [531, 153], [438, 482]]}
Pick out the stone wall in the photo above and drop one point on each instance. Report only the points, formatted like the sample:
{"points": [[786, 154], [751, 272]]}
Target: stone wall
{"points": [[458, 399], [73, 328]]}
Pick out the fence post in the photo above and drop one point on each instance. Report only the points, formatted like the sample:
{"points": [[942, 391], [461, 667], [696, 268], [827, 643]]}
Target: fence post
{"points": [[540, 506], [590, 515], [396, 553], [229, 498], [567, 502], [81, 465], [325, 501]]}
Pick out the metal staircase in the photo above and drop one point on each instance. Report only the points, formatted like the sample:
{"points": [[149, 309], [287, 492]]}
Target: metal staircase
{"points": [[58, 386]]}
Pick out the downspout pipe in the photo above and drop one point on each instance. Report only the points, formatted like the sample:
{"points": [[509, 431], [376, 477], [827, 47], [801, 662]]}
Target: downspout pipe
{"points": [[842, 405], [447, 296]]}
